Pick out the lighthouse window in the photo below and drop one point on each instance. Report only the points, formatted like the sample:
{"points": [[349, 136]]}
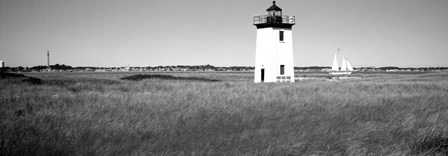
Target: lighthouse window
{"points": [[282, 69], [281, 36]]}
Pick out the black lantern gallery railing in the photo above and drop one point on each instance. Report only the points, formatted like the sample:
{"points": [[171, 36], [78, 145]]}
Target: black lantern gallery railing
{"points": [[266, 19]]}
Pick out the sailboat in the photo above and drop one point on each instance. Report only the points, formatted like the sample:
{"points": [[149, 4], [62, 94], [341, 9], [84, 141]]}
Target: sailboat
{"points": [[346, 67]]}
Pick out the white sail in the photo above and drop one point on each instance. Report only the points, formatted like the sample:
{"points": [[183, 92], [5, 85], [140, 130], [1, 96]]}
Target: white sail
{"points": [[335, 66], [346, 67], [349, 66], [344, 64]]}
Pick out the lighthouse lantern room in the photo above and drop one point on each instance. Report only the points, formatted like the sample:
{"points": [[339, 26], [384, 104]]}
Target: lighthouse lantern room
{"points": [[274, 54]]}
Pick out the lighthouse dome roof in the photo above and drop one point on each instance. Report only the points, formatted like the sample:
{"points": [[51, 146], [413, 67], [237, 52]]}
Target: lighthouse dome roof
{"points": [[274, 7]]}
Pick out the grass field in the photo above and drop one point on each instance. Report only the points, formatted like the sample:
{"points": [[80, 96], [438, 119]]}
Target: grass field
{"points": [[101, 114]]}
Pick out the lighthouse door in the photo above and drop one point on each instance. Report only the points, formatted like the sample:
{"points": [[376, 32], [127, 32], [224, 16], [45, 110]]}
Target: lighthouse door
{"points": [[262, 75]]}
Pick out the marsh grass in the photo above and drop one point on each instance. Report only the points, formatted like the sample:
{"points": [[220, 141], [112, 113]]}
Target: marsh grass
{"points": [[389, 114]]}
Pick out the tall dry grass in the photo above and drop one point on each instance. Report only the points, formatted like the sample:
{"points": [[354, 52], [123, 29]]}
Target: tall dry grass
{"points": [[380, 114]]}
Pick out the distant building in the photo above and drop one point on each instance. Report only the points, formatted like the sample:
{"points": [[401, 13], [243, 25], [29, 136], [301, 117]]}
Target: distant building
{"points": [[2, 64], [274, 60]]}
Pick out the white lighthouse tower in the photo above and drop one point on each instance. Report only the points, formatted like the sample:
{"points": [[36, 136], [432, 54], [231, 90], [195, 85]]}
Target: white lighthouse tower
{"points": [[274, 60]]}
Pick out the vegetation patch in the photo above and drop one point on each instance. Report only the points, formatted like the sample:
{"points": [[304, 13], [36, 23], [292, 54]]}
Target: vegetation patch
{"points": [[11, 75], [431, 146], [23, 78], [165, 77]]}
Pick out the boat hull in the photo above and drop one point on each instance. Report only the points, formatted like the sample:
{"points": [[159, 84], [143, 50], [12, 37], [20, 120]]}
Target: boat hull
{"points": [[340, 72]]}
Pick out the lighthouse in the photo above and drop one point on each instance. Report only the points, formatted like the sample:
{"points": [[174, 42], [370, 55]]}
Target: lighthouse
{"points": [[274, 60]]}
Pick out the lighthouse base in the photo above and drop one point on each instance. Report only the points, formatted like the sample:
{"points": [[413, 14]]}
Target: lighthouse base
{"points": [[274, 55]]}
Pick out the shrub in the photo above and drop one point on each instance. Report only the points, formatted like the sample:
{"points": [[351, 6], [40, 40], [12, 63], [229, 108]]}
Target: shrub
{"points": [[165, 77]]}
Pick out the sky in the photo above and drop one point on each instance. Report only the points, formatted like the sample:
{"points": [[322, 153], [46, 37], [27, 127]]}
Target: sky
{"points": [[110, 33]]}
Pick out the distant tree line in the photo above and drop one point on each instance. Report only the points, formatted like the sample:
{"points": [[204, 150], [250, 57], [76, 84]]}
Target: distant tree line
{"points": [[67, 68], [198, 68], [314, 68]]}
